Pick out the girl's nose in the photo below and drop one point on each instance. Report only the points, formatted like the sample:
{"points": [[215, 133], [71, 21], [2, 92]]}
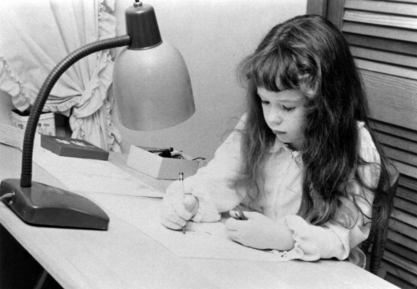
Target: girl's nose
{"points": [[274, 116]]}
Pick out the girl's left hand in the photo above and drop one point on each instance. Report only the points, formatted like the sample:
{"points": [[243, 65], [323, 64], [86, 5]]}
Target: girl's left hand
{"points": [[258, 231]]}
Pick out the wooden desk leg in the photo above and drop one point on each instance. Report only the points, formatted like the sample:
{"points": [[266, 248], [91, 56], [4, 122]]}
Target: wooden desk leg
{"points": [[42, 280]]}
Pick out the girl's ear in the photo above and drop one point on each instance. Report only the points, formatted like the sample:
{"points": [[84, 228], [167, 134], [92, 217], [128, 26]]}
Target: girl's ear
{"points": [[310, 93], [310, 77], [309, 89]]}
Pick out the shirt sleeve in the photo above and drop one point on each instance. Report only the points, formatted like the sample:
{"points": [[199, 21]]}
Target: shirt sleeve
{"points": [[339, 238], [214, 184]]}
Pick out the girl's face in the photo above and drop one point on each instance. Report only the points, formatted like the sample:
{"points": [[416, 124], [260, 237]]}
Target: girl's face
{"points": [[284, 113]]}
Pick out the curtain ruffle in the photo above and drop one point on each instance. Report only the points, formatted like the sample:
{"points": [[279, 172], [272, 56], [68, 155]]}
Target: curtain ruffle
{"points": [[10, 84], [91, 116]]}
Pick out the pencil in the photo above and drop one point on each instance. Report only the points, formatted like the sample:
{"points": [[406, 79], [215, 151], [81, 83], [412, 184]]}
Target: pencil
{"points": [[240, 215], [181, 179]]}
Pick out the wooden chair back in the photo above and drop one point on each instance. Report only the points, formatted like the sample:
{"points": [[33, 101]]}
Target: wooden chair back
{"points": [[374, 245]]}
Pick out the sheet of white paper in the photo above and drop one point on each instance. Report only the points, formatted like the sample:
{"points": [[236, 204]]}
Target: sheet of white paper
{"points": [[91, 175], [206, 240], [201, 240]]}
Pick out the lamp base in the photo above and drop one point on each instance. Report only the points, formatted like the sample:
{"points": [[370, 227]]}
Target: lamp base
{"points": [[43, 205]]}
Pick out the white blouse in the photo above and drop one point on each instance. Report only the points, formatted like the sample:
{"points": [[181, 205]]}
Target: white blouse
{"points": [[280, 184]]}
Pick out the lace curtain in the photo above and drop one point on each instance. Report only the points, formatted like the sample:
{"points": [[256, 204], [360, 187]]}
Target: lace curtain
{"points": [[37, 35]]}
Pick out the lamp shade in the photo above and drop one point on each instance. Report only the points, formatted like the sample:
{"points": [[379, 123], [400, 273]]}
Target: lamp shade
{"points": [[152, 87]]}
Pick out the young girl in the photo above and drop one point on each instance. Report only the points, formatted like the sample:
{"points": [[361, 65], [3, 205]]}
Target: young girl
{"points": [[303, 160]]}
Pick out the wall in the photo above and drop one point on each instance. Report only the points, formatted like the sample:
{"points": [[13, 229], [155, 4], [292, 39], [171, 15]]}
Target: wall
{"points": [[213, 37]]}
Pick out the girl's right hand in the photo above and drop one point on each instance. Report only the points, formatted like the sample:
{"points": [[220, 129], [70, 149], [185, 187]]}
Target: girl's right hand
{"points": [[177, 207]]}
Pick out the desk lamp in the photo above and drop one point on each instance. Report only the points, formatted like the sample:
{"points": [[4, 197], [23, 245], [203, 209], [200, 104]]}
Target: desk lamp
{"points": [[153, 91]]}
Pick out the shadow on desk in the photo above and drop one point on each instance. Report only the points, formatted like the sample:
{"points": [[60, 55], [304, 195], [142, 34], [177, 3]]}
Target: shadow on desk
{"points": [[18, 269]]}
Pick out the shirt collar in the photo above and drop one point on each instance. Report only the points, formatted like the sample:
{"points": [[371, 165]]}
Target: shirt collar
{"points": [[278, 145]]}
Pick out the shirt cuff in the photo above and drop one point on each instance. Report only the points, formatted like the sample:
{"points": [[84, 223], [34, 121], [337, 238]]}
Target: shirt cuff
{"points": [[314, 242]]}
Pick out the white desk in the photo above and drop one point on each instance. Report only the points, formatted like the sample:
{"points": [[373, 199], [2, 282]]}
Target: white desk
{"points": [[125, 257]]}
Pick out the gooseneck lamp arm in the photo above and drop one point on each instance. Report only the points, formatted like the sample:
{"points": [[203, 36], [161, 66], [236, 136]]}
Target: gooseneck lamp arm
{"points": [[36, 110]]}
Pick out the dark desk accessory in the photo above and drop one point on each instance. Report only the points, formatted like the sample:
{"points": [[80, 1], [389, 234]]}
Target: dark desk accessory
{"points": [[74, 148], [153, 91]]}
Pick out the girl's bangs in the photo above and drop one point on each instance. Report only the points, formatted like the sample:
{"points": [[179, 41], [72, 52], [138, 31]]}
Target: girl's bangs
{"points": [[273, 71]]}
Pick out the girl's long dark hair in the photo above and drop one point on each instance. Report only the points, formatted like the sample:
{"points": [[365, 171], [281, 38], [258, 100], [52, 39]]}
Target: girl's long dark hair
{"points": [[309, 53]]}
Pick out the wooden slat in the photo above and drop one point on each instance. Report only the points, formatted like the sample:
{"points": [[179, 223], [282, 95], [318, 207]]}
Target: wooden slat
{"points": [[406, 206], [401, 262], [398, 271], [381, 19], [398, 143], [382, 6], [393, 279], [385, 128], [386, 68], [382, 43], [404, 217], [404, 1], [407, 194], [401, 156], [378, 31], [403, 228], [402, 239], [392, 99], [405, 169], [402, 251], [383, 56], [408, 183]]}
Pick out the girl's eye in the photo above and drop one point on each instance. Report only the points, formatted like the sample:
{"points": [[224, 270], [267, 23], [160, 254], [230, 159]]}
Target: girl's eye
{"points": [[288, 108], [264, 102]]}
